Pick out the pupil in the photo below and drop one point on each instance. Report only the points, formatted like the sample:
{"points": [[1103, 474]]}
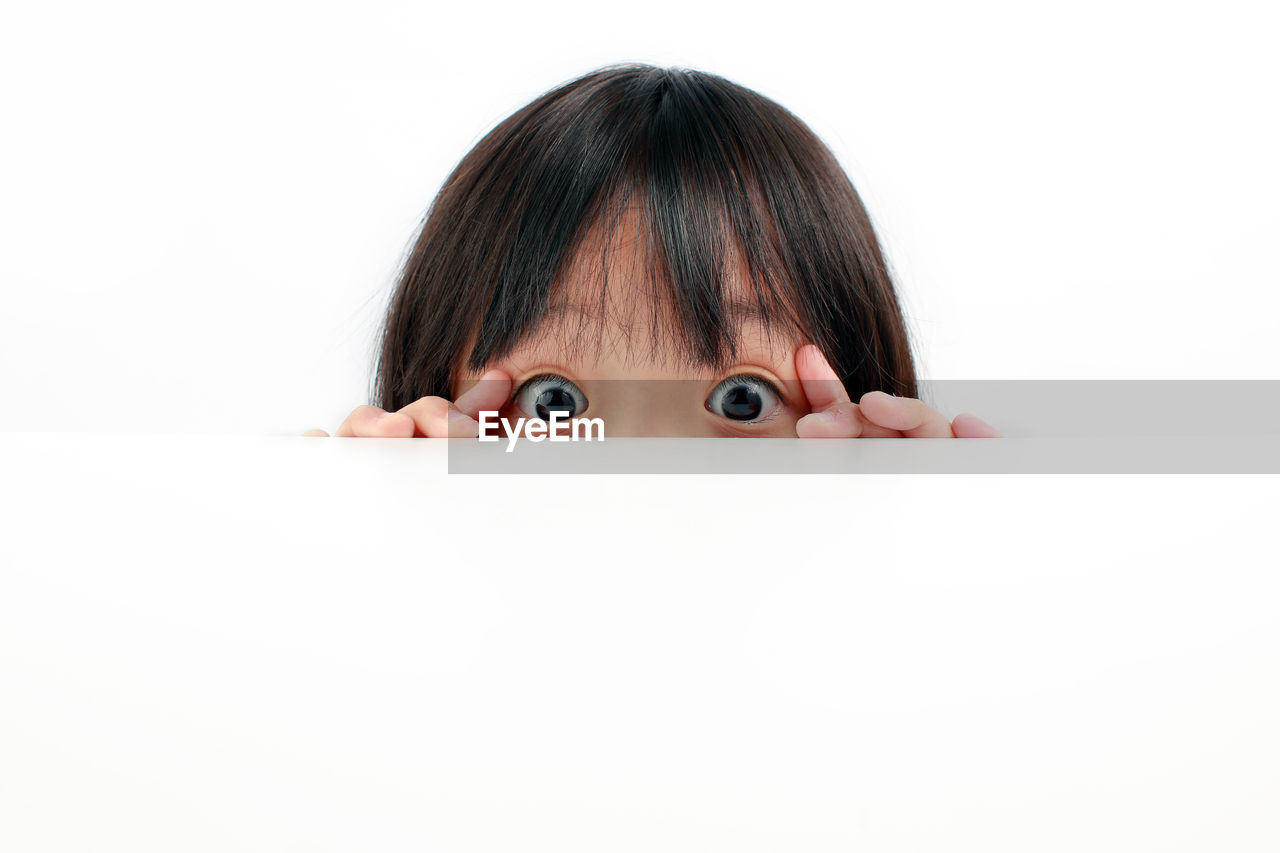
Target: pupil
{"points": [[554, 400], [742, 403]]}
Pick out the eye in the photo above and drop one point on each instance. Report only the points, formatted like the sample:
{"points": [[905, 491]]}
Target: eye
{"points": [[744, 398], [540, 396]]}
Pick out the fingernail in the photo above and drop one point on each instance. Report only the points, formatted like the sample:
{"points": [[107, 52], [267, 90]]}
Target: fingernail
{"points": [[383, 416], [459, 415]]}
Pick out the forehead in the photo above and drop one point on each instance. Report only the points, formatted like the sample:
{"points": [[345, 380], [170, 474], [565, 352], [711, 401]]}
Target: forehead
{"points": [[629, 323], [602, 348], [610, 309]]}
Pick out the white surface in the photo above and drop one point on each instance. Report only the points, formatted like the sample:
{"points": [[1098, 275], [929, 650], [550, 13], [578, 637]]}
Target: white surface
{"points": [[203, 206], [212, 643]]}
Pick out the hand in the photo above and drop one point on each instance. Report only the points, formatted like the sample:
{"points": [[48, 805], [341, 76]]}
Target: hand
{"points": [[876, 415], [429, 417]]}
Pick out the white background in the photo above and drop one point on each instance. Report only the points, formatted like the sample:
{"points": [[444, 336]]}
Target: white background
{"points": [[236, 642], [213, 643], [204, 207]]}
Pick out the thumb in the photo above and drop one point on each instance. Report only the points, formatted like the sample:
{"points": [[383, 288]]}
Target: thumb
{"points": [[822, 386]]}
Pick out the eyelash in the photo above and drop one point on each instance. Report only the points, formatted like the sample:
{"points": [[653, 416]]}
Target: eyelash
{"points": [[554, 378]]}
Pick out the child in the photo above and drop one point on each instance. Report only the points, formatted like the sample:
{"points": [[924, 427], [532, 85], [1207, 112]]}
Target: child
{"points": [[659, 248]]}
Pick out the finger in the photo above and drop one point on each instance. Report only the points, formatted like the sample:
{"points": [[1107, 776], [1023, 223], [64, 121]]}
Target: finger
{"points": [[435, 417], [428, 415], [822, 387], [839, 420], [843, 420], [908, 415], [971, 426], [489, 394], [374, 422], [319, 432]]}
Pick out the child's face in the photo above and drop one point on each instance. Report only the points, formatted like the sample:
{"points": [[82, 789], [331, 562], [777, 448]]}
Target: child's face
{"points": [[637, 385]]}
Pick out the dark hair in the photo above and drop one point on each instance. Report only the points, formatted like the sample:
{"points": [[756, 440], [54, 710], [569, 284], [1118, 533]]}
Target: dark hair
{"points": [[710, 168]]}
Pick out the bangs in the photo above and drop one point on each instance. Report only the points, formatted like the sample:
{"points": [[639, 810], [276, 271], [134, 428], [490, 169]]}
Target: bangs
{"points": [[645, 217], [651, 286]]}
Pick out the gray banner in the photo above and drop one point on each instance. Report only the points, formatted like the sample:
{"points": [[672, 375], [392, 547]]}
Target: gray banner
{"points": [[1049, 427]]}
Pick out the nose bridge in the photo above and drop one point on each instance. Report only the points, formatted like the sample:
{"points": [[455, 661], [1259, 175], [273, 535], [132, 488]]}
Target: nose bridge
{"points": [[649, 407]]}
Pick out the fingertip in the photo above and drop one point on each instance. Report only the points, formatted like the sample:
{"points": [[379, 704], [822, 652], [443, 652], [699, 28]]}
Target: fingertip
{"points": [[820, 383], [487, 391], [814, 425], [395, 425], [461, 425], [971, 426], [837, 421], [882, 408], [811, 362]]}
